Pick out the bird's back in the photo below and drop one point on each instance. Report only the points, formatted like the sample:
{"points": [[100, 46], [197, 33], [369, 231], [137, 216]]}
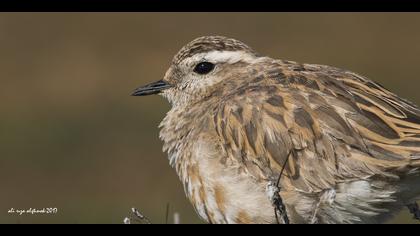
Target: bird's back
{"points": [[387, 127], [319, 102]]}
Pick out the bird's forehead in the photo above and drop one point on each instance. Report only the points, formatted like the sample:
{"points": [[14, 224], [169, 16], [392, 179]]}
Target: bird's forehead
{"points": [[208, 44]]}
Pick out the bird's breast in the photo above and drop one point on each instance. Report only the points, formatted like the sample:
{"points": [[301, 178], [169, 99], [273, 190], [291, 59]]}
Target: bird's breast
{"points": [[216, 184]]}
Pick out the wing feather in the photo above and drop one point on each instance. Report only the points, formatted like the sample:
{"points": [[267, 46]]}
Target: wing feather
{"points": [[331, 125]]}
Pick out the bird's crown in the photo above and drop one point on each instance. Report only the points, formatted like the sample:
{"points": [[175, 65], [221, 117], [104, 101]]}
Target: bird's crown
{"points": [[206, 44]]}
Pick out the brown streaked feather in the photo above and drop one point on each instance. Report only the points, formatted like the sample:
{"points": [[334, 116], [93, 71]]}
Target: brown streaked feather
{"points": [[337, 125]]}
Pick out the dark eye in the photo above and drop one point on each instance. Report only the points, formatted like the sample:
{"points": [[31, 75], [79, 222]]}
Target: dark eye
{"points": [[203, 68]]}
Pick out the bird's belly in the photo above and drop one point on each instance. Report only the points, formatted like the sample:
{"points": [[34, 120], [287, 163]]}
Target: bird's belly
{"points": [[225, 198], [221, 193]]}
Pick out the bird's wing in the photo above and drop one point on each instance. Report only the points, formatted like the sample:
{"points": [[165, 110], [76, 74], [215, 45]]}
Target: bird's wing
{"points": [[324, 125]]}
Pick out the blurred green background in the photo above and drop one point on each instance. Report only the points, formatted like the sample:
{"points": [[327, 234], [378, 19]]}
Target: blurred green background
{"points": [[71, 137]]}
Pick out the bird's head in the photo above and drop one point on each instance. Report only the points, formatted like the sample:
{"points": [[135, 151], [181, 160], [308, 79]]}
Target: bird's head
{"points": [[199, 67]]}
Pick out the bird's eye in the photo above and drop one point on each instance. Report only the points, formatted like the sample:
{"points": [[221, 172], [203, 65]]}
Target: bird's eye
{"points": [[203, 68]]}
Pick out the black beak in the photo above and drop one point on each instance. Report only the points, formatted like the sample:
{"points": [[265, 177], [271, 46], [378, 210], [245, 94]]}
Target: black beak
{"points": [[152, 88]]}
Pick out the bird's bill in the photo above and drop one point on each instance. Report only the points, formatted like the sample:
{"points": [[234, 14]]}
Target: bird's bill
{"points": [[152, 88]]}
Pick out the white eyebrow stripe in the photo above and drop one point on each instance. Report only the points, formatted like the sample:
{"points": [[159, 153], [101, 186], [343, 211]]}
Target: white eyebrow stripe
{"points": [[228, 56], [223, 56]]}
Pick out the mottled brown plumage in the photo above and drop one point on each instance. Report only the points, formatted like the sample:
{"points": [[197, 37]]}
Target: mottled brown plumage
{"points": [[350, 148]]}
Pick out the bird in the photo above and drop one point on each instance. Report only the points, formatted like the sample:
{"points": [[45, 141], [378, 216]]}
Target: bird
{"points": [[258, 140]]}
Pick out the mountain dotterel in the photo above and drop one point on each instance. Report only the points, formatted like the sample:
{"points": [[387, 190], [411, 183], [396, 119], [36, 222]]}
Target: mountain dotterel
{"points": [[259, 140]]}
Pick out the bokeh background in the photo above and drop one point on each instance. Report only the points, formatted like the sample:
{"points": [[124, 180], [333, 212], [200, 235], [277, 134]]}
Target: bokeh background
{"points": [[71, 137]]}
